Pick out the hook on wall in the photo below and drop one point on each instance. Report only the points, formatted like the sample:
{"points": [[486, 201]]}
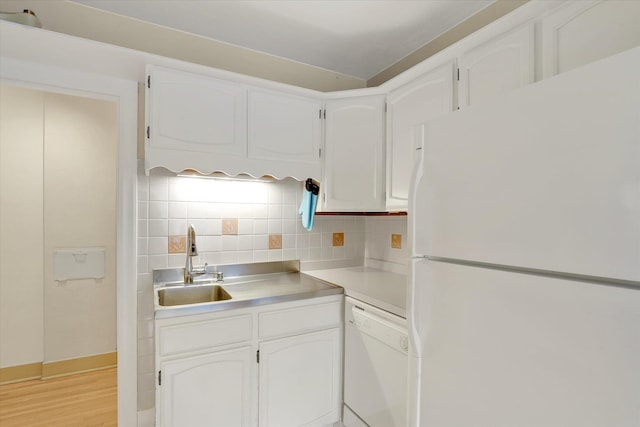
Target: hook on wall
{"points": [[312, 186]]}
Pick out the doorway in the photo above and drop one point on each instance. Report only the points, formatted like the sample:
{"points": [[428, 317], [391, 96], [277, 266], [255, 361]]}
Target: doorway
{"points": [[124, 92], [58, 192]]}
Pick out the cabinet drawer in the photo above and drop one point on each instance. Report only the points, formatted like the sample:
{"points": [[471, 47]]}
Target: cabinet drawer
{"points": [[300, 319], [194, 336]]}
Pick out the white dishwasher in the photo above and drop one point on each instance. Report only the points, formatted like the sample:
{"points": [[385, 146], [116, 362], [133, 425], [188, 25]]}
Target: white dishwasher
{"points": [[375, 367]]}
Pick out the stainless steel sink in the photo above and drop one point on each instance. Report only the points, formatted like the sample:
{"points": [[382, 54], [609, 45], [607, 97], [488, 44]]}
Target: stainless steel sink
{"points": [[192, 294], [243, 285]]}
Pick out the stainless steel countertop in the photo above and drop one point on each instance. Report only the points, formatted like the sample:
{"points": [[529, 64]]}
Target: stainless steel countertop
{"points": [[248, 291]]}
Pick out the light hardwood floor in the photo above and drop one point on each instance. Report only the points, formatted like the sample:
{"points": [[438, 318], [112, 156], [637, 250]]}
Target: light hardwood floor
{"points": [[81, 400]]}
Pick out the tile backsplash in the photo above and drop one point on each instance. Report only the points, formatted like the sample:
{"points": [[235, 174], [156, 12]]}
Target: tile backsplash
{"points": [[235, 222], [386, 239]]}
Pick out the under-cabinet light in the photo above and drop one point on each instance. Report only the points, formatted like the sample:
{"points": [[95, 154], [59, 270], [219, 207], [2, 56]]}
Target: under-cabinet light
{"points": [[189, 173]]}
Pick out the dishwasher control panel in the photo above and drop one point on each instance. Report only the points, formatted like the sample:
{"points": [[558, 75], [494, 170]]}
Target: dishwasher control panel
{"points": [[379, 324]]}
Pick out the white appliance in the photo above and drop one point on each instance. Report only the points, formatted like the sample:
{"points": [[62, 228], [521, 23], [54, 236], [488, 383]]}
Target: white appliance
{"points": [[375, 367], [525, 278]]}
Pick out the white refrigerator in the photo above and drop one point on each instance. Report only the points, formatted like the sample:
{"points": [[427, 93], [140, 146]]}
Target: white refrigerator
{"points": [[524, 301]]}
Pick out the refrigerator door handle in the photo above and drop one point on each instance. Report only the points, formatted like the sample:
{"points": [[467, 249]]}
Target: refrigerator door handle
{"points": [[416, 175], [414, 336], [415, 350]]}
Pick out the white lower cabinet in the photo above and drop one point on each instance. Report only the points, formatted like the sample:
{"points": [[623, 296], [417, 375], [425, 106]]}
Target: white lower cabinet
{"points": [[208, 390], [275, 365], [300, 380]]}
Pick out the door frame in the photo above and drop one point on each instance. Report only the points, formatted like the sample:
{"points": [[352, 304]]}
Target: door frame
{"points": [[125, 94]]}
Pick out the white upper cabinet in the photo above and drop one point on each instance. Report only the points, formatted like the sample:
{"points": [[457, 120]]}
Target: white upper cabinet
{"points": [[210, 125], [354, 164], [582, 31], [408, 108], [188, 113], [497, 66], [285, 130]]}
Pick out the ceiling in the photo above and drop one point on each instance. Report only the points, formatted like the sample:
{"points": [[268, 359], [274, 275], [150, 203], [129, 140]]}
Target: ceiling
{"points": [[359, 38]]}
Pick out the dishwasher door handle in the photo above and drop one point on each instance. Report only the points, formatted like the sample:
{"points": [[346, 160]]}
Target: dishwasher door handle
{"points": [[393, 335]]}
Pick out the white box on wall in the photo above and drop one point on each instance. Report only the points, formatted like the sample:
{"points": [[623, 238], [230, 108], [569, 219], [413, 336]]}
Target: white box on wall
{"points": [[78, 263]]}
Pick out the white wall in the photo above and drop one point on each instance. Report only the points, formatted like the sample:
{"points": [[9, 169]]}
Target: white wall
{"points": [[58, 190], [21, 226]]}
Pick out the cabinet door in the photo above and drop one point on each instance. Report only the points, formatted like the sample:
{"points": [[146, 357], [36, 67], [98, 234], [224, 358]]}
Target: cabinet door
{"points": [[196, 113], [497, 66], [354, 167], [581, 32], [284, 130], [408, 108], [212, 390], [300, 380]]}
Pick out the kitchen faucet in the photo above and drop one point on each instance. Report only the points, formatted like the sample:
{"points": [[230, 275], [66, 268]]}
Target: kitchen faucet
{"points": [[192, 250]]}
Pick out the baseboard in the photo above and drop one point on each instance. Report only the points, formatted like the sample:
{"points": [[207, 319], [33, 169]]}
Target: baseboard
{"points": [[14, 374], [82, 364], [147, 418], [41, 370]]}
